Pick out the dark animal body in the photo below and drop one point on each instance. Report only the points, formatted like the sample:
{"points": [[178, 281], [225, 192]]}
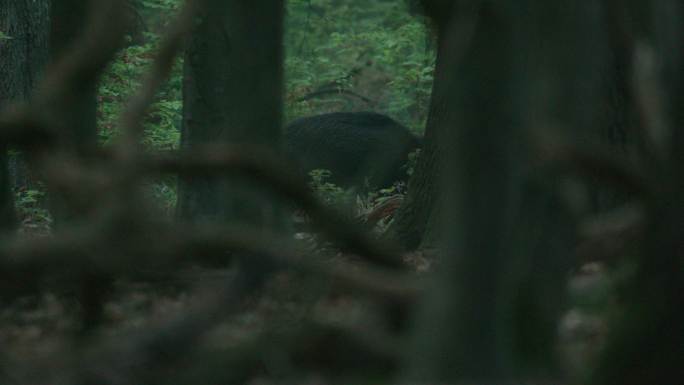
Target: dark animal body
{"points": [[361, 149]]}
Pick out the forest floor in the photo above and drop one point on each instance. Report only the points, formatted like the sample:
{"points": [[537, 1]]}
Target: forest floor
{"points": [[38, 327]]}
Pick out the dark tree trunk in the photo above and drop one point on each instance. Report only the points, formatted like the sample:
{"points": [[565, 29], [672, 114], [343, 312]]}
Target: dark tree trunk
{"points": [[68, 21], [232, 93], [7, 214], [24, 52], [415, 224], [77, 116], [23, 55], [618, 132], [414, 221], [646, 343], [503, 71]]}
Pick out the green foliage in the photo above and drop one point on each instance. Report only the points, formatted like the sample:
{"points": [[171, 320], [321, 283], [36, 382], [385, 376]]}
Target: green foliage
{"points": [[351, 204], [30, 207], [339, 49], [123, 78], [4, 36], [326, 191], [163, 193]]}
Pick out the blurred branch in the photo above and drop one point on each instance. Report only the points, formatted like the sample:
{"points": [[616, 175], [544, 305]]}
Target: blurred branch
{"points": [[562, 155], [267, 168], [114, 239], [161, 247]]}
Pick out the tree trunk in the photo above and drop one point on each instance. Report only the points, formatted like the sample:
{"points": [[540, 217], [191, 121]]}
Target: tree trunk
{"points": [[646, 341], [23, 55], [7, 214], [68, 21], [78, 115], [414, 222], [232, 93], [503, 71]]}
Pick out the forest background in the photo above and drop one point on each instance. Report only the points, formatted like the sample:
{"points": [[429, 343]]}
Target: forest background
{"points": [[538, 240]]}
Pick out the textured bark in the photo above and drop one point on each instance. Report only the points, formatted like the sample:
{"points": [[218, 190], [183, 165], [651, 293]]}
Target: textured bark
{"points": [[23, 56], [232, 93]]}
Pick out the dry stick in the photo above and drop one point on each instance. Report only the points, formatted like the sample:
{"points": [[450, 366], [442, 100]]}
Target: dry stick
{"points": [[265, 167]]}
